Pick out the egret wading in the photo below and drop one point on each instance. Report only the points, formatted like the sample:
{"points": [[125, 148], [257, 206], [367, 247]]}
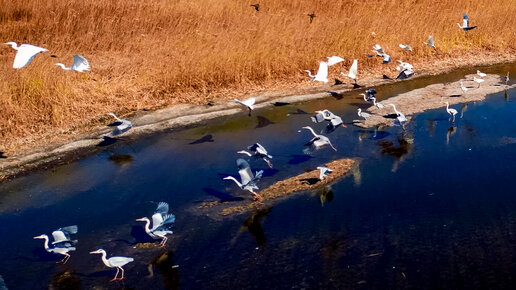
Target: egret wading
{"points": [[451, 111], [25, 53], [259, 152], [80, 64], [161, 221], [400, 117], [113, 262], [247, 178]]}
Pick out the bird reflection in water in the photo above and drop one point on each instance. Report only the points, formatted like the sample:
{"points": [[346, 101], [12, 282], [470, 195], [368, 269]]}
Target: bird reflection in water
{"points": [[253, 225], [122, 160], [431, 127], [451, 131], [400, 152], [463, 109], [506, 95], [325, 194], [166, 267], [63, 281]]}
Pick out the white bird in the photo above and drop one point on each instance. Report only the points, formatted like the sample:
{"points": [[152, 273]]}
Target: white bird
{"points": [[451, 111], [481, 74], [25, 54], [80, 64], [326, 115], [124, 125], [353, 70], [378, 49], [378, 105], [248, 103], [381, 53], [506, 79], [478, 81], [404, 66], [369, 94], [323, 172], [406, 47], [363, 114], [113, 262], [247, 179], [465, 23], [430, 42], [161, 221], [334, 60], [62, 243], [317, 142], [322, 73], [463, 88], [400, 117], [258, 151]]}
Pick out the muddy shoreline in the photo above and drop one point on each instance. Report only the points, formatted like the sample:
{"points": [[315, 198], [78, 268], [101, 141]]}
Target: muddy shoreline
{"points": [[175, 119]]}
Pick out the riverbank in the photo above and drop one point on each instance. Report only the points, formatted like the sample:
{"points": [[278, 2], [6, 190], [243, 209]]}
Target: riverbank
{"points": [[63, 148]]}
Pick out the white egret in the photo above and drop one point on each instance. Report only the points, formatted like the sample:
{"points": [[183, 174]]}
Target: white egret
{"points": [[334, 60], [405, 74], [406, 47], [258, 151], [463, 88], [326, 115], [25, 54], [481, 74], [80, 64], [248, 103], [124, 126], [430, 42], [247, 178], [369, 94], [465, 23], [161, 221], [322, 73], [451, 111], [378, 105], [317, 142], [353, 70], [404, 66], [113, 262], [381, 53], [400, 117], [478, 81], [363, 114], [323, 172], [506, 79], [62, 243]]}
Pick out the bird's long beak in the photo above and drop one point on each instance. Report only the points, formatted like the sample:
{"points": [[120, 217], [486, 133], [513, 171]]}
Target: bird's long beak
{"points": [[226, 177], [344, 126], [140, 220], [95, 252], [38, 237]]}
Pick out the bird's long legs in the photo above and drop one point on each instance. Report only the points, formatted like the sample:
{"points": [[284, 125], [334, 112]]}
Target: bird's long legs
{"points": [[65, 259], [117, 270], [163, 241], [121, 278]]}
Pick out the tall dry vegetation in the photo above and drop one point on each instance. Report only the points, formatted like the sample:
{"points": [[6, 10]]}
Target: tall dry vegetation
{"points": [[153, 53]]}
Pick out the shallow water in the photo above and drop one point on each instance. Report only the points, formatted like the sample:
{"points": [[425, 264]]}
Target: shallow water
{"points": [[432, 206]]}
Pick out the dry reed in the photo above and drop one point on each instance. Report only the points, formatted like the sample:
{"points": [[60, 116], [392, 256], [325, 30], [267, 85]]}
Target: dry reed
{"points": [[155, 53]]}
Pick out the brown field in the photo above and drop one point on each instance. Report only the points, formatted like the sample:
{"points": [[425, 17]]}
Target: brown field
{"points": [[155, 53]]}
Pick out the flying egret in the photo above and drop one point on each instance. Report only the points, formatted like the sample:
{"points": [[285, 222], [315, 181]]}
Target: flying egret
{"points": [[323, 171], [381, 53], [256, 6], [247, 178], [451, 111], [322, 73], [430, 42], [326, 115], [400, 117], [161, 221], [317, 142], [481, 74], [334, 60], [404, 65], [363, 114], [312, 16], [369, 94], [378, 105], [405, 74], [113, 262], [80, 64], [353, 70], [258, 151], [478, 81], [406, 47], [25, 54], [248, 103], [465, 23], [123, 127], [463, 88], [62, 243]]}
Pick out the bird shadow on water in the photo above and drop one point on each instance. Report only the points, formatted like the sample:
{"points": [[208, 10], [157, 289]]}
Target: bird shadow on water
{"points": [[310, 181], [224, 197], [263, 122], [298, 159], [203, 139], [42, 256]]}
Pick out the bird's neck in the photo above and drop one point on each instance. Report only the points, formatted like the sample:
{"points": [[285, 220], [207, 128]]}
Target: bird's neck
{"points": [[46, 243], [236, 181], [104, 260], [147, 224]]}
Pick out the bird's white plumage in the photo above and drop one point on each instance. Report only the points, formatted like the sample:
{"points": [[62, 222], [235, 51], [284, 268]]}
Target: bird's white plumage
{"points": [[323, 172], [405, 47], [80, 64], [334, 60], [322, 73], [481, 74], [25, 53], [124, 126], [249, 103], [353, 70], [363, 114]]}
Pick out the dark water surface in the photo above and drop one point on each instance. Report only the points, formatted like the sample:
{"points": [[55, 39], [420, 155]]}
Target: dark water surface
{"points": [[432, 207]]}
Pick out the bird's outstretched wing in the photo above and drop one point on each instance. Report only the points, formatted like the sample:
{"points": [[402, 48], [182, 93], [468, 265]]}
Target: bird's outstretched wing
{"points": [[334, 60], [322, 72], [25, 54], [244, 170], [353, 70], [319, 117], [63, 234], [162, 208], [80, 63], [167, 221], [465, 20], [249, 102]]}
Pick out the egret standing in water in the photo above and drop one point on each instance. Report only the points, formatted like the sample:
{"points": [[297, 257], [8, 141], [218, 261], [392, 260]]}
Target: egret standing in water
{"points": [[124, 125], [248, 103], [25, 53], [400, 117], [161, 221], [247, 179], [506, 79], [451, 111], [317, 142], [258, 151], [322, 73], [113, 262], [80, 64], [465, 23], [62, 243]]}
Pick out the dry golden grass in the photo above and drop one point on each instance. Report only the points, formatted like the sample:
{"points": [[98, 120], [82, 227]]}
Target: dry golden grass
{"points": [[154, 53]]}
